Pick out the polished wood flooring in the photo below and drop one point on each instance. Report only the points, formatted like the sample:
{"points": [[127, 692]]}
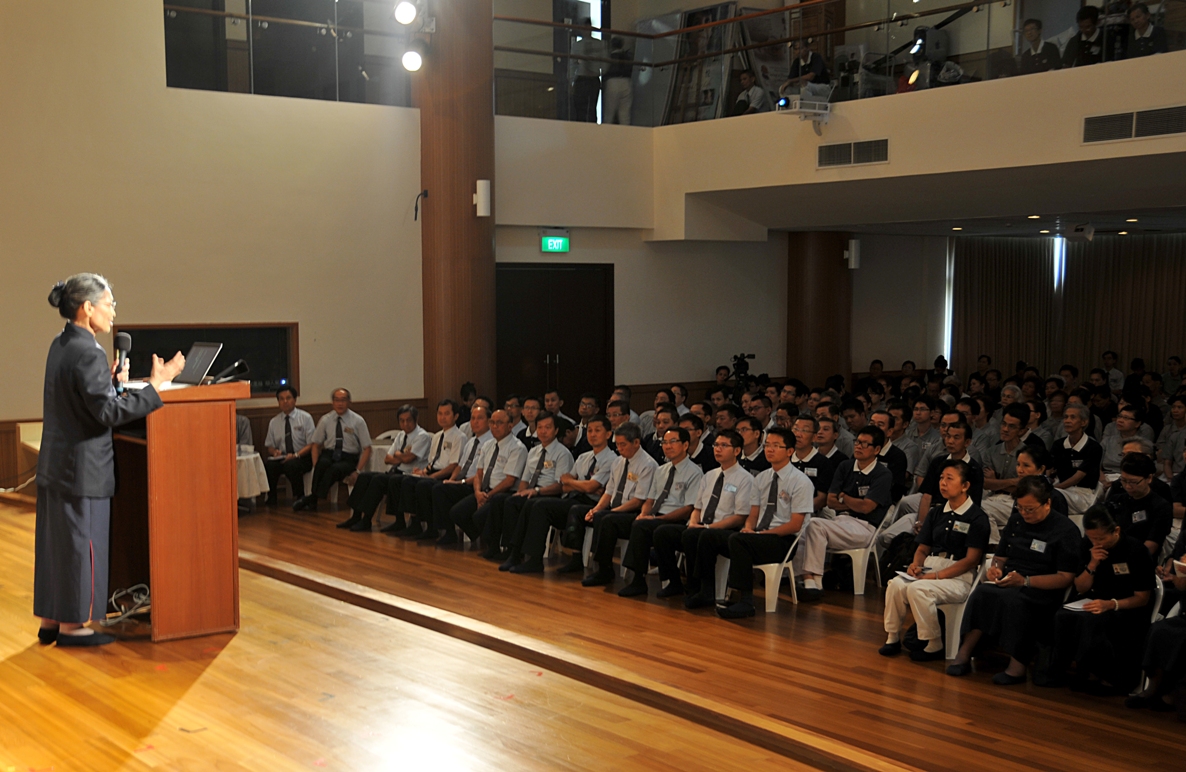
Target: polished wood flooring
{"points": [[313, 683], [812, 667]]}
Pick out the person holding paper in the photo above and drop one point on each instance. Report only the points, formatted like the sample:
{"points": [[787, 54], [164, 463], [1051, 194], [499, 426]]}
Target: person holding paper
{"points": [[951, 543], [1103, 635], [1036, 562]]}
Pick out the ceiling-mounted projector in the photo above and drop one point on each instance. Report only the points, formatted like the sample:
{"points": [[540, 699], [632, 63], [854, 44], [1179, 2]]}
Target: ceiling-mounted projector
{"points": [[1084, 232]]}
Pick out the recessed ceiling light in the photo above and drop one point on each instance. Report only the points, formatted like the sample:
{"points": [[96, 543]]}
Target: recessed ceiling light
{"points": [[957, 229], [1035, 217], [1043, 231], [1123, 233], [1131, 219]]}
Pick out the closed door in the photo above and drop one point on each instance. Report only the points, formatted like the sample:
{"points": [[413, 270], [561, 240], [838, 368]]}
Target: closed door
{"points": [[555, 329]]}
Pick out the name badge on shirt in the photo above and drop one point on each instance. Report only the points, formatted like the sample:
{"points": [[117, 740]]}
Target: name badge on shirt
{"points": [[1120, 569], [784, 496], [731, 488], [862, 491], [1038, 546], [1077, 463], [632, 477], [960, 527], [549, 465], [811, 472], [448, 445], [348, 430], [1139, 516]]}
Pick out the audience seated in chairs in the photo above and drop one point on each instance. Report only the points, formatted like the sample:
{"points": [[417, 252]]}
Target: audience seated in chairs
{"points": [[288, 447], [341, 450]]}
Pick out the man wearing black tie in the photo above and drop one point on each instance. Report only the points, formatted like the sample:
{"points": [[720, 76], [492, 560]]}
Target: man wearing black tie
{"points": [[341, 449], [289, 445]]}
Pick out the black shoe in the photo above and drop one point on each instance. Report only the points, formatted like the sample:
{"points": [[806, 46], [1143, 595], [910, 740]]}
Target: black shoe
{"points": [[428, 537], [362, 525], [890, 649], [739, 610], [1051, 681], [811, 594], [449, 537], [959, 670], [47, 635], [1101, 689], [927, 656], [634, 589], [528, 567], [350, 522], [496, 555], [673, 588], [697, 600], [1004, 679], [574, 566], [271, 501], [509, 563], [1138, 701], [393, 528], [599, 579], [96, 639], [414, 530], [305, 504], [914, 644]]}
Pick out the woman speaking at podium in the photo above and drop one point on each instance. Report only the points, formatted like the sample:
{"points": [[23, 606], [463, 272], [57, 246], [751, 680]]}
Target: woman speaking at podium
{"points": [[76, 466]]}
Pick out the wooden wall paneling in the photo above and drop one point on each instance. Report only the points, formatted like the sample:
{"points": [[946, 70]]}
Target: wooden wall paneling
{"points": [[455, 93], [819, 307]]}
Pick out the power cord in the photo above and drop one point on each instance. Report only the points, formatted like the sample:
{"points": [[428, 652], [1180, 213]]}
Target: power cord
{"points": [[22, 485], [141, 601]]}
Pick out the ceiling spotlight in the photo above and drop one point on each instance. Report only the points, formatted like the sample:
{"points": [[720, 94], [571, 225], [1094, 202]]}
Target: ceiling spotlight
{"points": [[1122, 233], [405, 12], [957, 229], [1131, 219], [1035, 217], [1043, 231], [413, 58]]}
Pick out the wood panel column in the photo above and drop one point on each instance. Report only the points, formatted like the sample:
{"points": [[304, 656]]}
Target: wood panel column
{"points": [[819, 307], [455, 93]]}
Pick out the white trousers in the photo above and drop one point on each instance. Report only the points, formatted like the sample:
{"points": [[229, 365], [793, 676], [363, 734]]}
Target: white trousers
{"points": [[844, 533], [1078, 499], [998, 507], [619, 94], [907, 516], [924, 598]]}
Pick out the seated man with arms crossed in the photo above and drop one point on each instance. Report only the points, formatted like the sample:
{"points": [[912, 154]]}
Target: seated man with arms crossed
{"points": [[781, 504], [409, 450], [951, 543], [288, 446], [444, 452], [341, 449], [546, 462], [862, 489], [673, 491], [582, 486]]}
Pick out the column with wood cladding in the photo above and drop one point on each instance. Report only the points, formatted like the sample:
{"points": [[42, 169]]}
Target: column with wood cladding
{"points": [[819, 307], [455, 93]]}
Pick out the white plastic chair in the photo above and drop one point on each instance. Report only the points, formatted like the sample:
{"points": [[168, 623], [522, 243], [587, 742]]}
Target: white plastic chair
{"points": [[722, 578], [860, 557], [587, 546], [387, 435], [1158, 596], [621, 546], [953, 613], [307, 481], [552, 543], [774, 571]]}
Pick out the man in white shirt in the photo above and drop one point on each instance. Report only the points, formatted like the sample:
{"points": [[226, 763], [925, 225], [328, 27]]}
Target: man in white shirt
{"points": [[545, 464], [500, 466], [409, 450], [752, 98], [288, 447], [341, 450], [444, 454]]}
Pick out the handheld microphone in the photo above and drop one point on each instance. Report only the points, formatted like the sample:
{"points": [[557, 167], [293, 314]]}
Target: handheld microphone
{"points": [[123, 345], [233, 373]]}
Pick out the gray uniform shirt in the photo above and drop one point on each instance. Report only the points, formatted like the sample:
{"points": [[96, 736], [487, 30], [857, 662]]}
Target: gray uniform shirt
{"points": [[1004, 462], [736, 493], [355, 436], [557, 460], [302, 430], [603, 465], [684, 487], [470, 457], [512, 455], [796, 493], [418, 442], [445, 446], [1170, 446], [927, 446], [639, 472]]}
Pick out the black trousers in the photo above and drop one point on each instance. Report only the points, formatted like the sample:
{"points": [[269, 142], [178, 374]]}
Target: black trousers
{"points": [[675, 537], [576, 518], [329, 473], [540, 514], [444, 498], [585, 91], [747, 550], [713, 543], [416, 498], [642, 537], [515, 511], [369, 490], [606, 532], [474, 519], [667, 540], [294, 469]]}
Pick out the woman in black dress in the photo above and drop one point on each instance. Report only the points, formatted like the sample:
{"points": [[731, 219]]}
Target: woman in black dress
{"points": [[1036, 561], [76, 465], [1106, 637]]}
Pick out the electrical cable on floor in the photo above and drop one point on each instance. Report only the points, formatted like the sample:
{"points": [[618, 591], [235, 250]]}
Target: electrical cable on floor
{"points": [[22, 485], [141, 599]]}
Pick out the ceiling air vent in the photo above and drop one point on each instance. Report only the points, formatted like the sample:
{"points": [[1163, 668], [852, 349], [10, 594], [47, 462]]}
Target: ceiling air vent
{"points": [[1152, 123], [1105, 128], [849, 153]]}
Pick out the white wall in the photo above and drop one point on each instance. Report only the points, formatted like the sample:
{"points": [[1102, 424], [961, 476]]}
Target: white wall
{"points": [[200, 207], [680, 309], [898, 300]]}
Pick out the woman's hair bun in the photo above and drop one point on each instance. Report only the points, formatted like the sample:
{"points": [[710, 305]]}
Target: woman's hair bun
{"points": [[55, 294]]}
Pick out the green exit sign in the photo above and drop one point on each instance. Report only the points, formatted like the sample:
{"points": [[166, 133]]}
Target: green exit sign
{"points": [[553, 243]]}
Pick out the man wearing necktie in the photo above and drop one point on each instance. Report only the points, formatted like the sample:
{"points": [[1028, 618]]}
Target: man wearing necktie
{"points": [[722, 504], [782, 501], [288, 447], [673, 494], [433, 502], [499, 468], [579, 489], [545, 463], [410, 447], [341, 450], [624, 496]]}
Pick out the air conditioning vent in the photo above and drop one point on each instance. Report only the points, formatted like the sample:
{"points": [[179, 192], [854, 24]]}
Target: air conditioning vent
{"points": [[1153, 123], [869, 152], [835, 155], [874, 151], [1106, 128]]}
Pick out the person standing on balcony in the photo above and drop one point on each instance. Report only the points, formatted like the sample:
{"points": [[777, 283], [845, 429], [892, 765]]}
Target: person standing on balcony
{"points": [[586, 83], [619, 91], [1088, 46], [1037, 55]]}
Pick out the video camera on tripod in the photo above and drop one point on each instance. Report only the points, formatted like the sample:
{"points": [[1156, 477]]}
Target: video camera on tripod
{"points": [[743, 380]]}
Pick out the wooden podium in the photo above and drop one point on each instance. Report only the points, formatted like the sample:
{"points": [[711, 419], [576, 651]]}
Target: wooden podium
{"points": [[174, 517]]}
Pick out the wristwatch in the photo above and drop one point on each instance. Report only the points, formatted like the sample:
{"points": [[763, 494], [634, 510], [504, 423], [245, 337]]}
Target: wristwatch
{"points": [[1027, 581]]}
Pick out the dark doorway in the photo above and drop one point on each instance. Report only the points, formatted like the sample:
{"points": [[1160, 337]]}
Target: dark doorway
{"points": [[555, 329]]}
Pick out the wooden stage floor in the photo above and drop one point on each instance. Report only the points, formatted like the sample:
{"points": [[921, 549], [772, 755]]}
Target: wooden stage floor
{"points": [[802, 684]]}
